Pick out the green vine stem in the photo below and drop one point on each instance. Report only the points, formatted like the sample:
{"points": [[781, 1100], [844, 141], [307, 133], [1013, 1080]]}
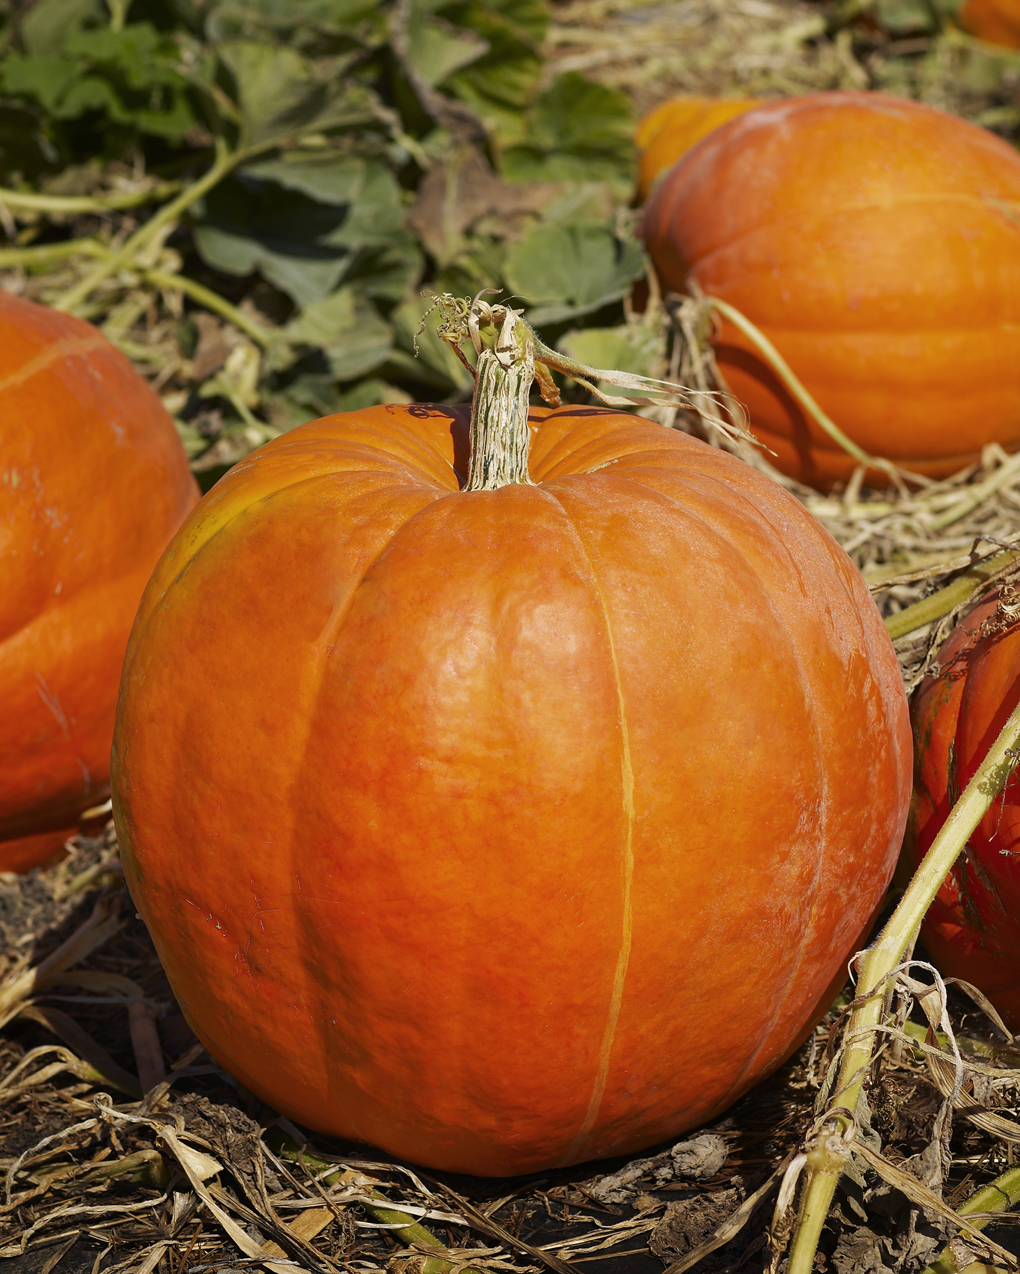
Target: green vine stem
{"points": [[31, 201], [831, 1149], [43, 253], [998, 1196], [150, 231], [931, 608], [212, 301]]}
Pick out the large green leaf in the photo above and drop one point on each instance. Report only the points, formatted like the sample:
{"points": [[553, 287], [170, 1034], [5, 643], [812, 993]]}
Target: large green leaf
{"points": [[253, 225], [577, 131], [228, 18], [281, 95], [499, 84], [566, 271], [308, 225], [435, 49], [131, 75], [47, 23], [348, 328]]}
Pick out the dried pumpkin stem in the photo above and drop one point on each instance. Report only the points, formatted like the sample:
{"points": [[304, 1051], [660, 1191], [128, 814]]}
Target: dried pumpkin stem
{"points": [[500, 437], [826, 1159]]}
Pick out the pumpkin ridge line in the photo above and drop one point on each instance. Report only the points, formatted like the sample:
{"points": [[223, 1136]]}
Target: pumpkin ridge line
{"points": [[50, 354], [627, 867]]}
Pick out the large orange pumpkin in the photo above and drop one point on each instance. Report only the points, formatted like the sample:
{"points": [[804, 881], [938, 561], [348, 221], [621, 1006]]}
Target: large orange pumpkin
{"points": [[93, 482], [972, 929], [876, 242], [997, 21], [672, 128], [505, 828]]}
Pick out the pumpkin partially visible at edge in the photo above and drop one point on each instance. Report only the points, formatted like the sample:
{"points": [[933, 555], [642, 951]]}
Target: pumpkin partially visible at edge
{"points": [[876, 243], [93, 483], [673, 127], [997, 21], [972, 929], [505, 828]]}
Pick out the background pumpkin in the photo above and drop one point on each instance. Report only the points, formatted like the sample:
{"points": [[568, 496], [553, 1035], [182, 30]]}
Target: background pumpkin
{"points": [[672, 128], [511, 828], [93, 482], [972, 929], [997, 21], [876, 242]]}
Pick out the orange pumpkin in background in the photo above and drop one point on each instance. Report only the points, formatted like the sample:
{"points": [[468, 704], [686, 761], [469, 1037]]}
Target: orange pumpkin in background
{"points": [[876, 243], [972, 929], [93, 483], [505, 828], [672, 128], [997, 21]]}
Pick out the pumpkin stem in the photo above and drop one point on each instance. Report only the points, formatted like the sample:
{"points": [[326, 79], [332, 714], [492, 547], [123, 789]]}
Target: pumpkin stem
{"points": [[500, 437]]}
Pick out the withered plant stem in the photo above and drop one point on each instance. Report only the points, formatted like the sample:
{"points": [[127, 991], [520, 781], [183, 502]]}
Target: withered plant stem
{"points": [[827, 1158]]}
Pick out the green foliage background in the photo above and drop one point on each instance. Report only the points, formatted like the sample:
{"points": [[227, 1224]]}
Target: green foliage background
{"points": [[250, 195]]}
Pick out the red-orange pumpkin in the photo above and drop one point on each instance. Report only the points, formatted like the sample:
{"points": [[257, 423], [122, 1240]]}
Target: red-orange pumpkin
{"points": [[997, 21], [876, 242], [672, 128], [93, 482], [513, 828], [972, 929]]}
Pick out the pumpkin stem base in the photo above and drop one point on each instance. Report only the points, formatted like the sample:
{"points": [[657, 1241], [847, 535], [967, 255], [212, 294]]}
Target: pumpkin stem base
{"points": [[500, 437]]}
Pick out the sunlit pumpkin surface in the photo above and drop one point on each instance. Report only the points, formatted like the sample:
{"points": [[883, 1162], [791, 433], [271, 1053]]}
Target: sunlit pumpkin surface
{"points": [[93, 482], [972, 929], [672, 128], [876, 243], [510, 828]]}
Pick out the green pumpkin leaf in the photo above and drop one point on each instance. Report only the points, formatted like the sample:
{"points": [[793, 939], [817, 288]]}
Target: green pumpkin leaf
{"points": [[47, 79], [280, 96], [331, 178], [435, 49], [47, 23], [228, 18], [499, 84], [348, 328], [577, 131], [566, 271]]}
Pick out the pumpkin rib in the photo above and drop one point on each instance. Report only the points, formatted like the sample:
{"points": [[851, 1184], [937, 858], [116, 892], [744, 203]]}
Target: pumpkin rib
{"points": [[196, 543], [68, 347], [819, 757], [847, 581], [627, 792]]}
